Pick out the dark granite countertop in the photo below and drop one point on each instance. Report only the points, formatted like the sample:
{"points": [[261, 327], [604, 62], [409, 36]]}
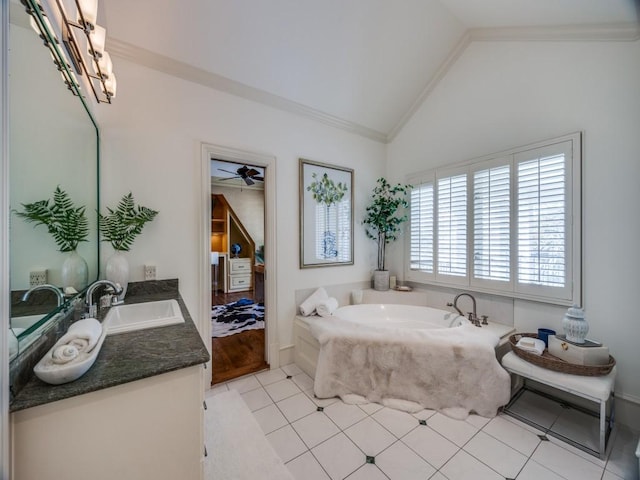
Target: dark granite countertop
{"points": [[127, 357]]}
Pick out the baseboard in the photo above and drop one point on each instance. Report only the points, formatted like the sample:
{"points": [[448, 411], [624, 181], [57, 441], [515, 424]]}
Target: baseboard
{"points": [[628, 412], [286, 354]]}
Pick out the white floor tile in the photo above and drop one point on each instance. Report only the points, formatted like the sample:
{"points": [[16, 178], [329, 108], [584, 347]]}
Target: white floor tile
{"points": [[306, 467], [536, 408], [216, 389], [477, 421], [367, 472], [370, 436], [514, 435], [495, 454], [282, 389], [291, 369], [579, 427], [534, 471], [399, 462], [424, 414], [397, 422], [430, 445], [438, 476], [565, 463], [575, 450], [303, 381], [244, 384], [370, 408], [623, 462], [464, 467], [344, 415], [286, 443], [458, 431], [270, 418], [271, 376], [612, 476], [315, 428], [339, 456], [296, 407], [256, 399]]}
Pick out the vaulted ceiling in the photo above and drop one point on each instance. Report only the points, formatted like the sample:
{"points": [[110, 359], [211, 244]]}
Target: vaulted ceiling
{"points": [[363, 65]]}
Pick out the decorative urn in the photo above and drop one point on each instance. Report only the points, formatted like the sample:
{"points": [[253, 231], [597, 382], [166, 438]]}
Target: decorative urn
{"points": [[574, 324]]}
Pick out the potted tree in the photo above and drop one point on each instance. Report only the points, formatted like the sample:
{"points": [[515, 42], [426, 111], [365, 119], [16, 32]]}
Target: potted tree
{"points": [[120, 228], [382, 223], [68, 225]]}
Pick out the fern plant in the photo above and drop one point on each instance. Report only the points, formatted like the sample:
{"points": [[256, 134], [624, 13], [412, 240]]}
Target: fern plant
{"points": [[122, 225], [67, 224]]}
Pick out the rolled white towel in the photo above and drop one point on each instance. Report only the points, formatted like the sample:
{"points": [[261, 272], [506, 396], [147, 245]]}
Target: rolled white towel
{"points": [[309, 305], [531, 345], [83, 335], [64, 354], [326, 307]]}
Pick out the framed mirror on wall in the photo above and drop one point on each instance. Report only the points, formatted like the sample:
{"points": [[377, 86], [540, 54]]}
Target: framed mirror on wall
{"points": [[326, 215], [53, 143]]}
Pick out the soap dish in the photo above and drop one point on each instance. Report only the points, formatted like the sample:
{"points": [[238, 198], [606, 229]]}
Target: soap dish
{"points": [[56, 374]]}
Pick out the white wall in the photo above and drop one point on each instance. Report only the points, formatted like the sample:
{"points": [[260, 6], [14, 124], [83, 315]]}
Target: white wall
{"points": [[151, 138], [505, 94]]}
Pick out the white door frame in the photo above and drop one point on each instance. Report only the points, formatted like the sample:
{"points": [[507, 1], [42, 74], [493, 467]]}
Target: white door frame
{"points": [[209, 151]]}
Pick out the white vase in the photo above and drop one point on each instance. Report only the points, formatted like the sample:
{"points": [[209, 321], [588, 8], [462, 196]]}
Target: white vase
{"points": [[574, 324], [381, 280], [75, 272], [118, 271]]}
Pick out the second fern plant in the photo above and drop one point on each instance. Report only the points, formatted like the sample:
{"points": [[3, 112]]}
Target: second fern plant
{"points": [[121, 226]]}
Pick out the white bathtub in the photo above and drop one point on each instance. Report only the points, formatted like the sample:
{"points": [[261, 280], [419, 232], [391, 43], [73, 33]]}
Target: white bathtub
{"points": [[411, 317], [393, 316]]}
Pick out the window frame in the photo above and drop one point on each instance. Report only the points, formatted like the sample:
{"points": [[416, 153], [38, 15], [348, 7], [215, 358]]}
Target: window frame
{"points": [[571, 293]]}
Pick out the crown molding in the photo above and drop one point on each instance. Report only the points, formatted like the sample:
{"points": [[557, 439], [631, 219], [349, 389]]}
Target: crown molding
{"points": [[193, 74], [610, 32]]}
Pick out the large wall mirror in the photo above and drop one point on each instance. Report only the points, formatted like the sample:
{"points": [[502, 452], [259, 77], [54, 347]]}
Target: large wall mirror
{"points": [[54, 143]]}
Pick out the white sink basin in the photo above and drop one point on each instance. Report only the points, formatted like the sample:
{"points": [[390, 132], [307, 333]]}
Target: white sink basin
{"points": [[139, 316]]}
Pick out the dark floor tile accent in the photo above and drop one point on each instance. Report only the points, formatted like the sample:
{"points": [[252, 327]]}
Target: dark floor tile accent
{"points": [[371, 460], [289, 377], [544, 438], [422, 422], [320, 409]]}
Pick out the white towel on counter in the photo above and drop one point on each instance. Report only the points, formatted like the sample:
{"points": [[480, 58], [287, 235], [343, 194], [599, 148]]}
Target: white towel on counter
{"points": [[531, 345], [309, 305], [82, 335], [326, 307], [64, 354]]}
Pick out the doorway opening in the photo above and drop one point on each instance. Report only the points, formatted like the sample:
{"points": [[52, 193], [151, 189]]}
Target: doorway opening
{"points": [[238, 313]]}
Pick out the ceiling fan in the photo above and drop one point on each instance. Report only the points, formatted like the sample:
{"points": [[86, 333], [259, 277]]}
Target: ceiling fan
{"points": [[245, 173]]}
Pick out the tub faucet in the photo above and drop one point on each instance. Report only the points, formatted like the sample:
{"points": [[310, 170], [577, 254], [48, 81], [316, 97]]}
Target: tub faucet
{"points": [[46, 286], [92, 308], [473, 316]]}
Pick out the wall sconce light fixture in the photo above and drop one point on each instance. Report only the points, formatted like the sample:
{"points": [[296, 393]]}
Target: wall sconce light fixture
{"points": [[84, 40]]}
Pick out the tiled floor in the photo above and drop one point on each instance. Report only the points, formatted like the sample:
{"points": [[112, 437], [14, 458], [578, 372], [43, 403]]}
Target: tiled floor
{"points": [[328, 439]]}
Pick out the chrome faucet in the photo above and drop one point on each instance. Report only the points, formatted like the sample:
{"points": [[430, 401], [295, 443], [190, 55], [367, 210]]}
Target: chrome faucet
{"points": [[46, 286], [473, 316], [92, 308]]}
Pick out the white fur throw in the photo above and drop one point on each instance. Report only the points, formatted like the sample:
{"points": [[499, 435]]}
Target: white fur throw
{"points": [[453, 370]]}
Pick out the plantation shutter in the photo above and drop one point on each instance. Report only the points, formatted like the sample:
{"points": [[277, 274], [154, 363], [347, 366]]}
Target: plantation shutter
{"points": [[452, 225], [543, 219], [491, 224], [421, 229]]}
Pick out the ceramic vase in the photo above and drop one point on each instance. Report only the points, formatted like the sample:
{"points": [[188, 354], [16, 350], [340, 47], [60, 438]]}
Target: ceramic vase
{"points": [[75, 272], [118, 271], [574, 324], [381, 280]]}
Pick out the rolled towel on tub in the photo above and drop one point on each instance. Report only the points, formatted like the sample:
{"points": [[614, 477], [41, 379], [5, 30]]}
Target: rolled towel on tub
{"points": [[309, 305], [83, 335], [326, 307]]}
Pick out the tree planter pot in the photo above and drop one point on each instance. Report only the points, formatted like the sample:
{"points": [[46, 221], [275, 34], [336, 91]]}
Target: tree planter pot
{"points": [[75, 272], [118, 271], [381, 280]]}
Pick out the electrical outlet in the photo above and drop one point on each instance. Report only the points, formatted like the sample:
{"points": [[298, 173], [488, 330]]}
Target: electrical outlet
{"points": [[37, 277], [149, 272]]}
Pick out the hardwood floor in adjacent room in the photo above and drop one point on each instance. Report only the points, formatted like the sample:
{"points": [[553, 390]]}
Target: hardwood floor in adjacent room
{"points": [[239, 354]]}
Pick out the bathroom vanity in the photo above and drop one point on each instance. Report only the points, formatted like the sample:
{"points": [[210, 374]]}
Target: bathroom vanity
{"points": [[136, 414]]}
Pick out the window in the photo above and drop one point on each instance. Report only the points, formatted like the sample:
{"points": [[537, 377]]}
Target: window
{"points": [[507, 224]]}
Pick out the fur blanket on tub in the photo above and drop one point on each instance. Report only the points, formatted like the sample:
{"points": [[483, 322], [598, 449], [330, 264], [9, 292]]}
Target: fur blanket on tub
{"points": [[454, 370]]}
